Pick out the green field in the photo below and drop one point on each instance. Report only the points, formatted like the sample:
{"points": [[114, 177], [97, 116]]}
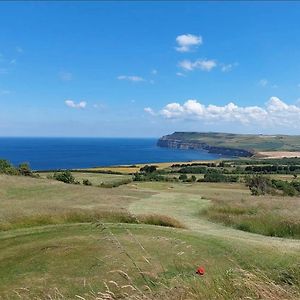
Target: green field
{"points": [[249, 142], [73, 257]]}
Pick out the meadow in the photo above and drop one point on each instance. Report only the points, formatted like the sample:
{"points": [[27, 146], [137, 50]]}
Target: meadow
{"points": [[68, 241]]}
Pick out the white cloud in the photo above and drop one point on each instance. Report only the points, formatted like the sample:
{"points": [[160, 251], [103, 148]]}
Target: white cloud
{"points": [[228, 67], [65, 76], [131, 78], [72, 104], [263, 82], [274, 113], [202, 64], [150, 111], [187, 42], [180, 74]]}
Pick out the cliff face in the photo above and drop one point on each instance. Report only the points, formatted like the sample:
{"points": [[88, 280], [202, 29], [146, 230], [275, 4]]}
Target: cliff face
{"points": [[169, 142]]}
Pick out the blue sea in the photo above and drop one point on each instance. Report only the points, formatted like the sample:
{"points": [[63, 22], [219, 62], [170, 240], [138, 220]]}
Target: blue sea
{"points": [[73, 153]]}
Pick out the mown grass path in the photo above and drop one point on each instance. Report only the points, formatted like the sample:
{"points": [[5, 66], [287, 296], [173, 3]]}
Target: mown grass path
{"points": [[185, 207]]}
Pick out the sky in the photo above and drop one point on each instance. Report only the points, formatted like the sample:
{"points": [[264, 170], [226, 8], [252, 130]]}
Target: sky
{"points": [[145, 69]]}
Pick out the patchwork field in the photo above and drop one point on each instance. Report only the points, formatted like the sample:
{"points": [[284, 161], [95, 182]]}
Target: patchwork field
{"points": [[51, 249]]}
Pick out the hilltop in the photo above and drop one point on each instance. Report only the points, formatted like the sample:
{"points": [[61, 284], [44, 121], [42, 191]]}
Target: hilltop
{"points": [[233, 144]]}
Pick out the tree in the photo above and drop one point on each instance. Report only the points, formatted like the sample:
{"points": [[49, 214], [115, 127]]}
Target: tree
{"points": [[148, 169]]}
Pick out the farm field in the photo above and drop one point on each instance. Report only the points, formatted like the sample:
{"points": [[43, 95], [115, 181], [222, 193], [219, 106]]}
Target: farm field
{"points": [[94, 178], [129, 169], [46, 256]]}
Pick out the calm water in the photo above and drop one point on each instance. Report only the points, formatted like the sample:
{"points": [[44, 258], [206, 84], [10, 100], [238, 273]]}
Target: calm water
{"points": [[64, 153]]}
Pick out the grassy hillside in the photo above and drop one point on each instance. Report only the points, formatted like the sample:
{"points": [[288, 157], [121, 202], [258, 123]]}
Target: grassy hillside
{"points": [[110, 258], [249, 142]]}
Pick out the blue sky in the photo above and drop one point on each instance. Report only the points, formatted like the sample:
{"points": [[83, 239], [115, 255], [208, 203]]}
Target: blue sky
{"points": [[144, 69]]}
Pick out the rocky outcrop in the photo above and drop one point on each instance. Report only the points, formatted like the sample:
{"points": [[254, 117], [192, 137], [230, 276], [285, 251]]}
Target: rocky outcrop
{"points": [[169, 142]]}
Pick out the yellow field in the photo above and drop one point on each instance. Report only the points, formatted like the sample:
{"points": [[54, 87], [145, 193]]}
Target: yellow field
{"points": [[129, 169]]}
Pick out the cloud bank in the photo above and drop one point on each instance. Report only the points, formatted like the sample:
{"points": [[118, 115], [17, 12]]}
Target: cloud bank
{"points": [[79, 105], [187, 42], [274, 113]]}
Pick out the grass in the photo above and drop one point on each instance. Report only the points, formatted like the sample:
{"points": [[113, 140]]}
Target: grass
{"points": [[271, 216], [66, 240], [130, 169], [95, 178], [248, 142], [165, 260], [88, 216]]}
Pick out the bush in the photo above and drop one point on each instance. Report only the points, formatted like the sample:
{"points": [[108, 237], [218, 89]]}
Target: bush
{"points": [[7, 168], [115, 184], [65, 177], [86, 182], [216, 177], [259, 185], [148, 169], [193, 170], [24, 169], [183, 177]]}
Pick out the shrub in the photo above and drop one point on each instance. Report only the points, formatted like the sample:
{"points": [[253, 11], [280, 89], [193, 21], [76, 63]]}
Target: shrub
{"points": [[259, 185], [216, 177], [148, 169], [7, 168], [183, 177], [24, 169], [114, 184], [65, 177], [86, 182]]}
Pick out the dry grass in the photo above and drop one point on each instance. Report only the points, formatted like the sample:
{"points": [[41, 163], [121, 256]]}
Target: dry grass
{"points": [[134, 261], [95, 178], [88, 216], [234, 284], [22, 196], [130, 169], [271, 216]]}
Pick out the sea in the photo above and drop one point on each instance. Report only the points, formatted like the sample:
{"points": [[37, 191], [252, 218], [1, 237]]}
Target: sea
{"points": [[75, 153]]}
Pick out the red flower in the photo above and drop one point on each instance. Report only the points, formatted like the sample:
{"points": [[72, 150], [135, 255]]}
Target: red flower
{"points": [[200, 271]]}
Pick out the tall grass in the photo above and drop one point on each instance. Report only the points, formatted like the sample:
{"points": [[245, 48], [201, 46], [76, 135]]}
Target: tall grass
{"points": [[236, 284], [267, 218], [88, 216]]}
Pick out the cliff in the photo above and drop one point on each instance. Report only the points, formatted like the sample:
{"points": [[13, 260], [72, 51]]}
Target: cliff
{"points": [[171, 141]]}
